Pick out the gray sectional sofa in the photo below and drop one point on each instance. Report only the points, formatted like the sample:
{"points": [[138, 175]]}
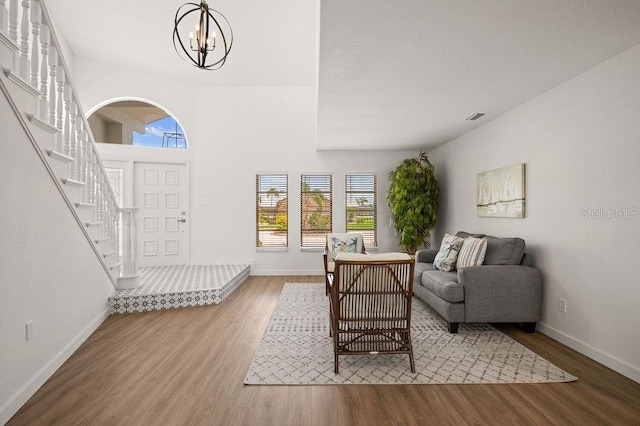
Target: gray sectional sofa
{"points": [[506, 288]]}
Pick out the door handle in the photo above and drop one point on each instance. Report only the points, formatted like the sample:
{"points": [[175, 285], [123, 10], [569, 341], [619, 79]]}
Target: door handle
{"points": [[181, 220]]}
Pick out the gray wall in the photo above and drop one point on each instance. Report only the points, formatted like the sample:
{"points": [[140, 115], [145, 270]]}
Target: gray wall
{"points": [[581, 145], [48, 272]]}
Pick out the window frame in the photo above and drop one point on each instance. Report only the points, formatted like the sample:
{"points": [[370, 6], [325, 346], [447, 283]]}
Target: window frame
{"points": [[323, 211], [260, 195], [370, 242]]}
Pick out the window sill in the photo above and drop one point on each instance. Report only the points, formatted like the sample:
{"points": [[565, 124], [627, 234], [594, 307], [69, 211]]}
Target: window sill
{"points": [[272, 249], [311, 249]]}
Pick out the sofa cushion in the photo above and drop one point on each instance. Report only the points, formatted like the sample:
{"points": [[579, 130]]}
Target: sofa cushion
{"points": [[504, 251], [420, 267], [361, 257], [472, 252], [444, 285], [446, 258], [464, 234]]}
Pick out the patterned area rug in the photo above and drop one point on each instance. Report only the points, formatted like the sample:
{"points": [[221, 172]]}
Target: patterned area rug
{"points": [[296, 350]]}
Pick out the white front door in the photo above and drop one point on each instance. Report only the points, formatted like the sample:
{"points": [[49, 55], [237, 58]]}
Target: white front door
{"points": [[161, 193]]}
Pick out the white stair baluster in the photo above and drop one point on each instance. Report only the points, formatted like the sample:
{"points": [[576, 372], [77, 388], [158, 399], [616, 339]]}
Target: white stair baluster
{"points": [[81, 147], [98, 196], [13, 20], [60, 109], [53, 72], [44, 73], [66, 117], [36, 15], [23, 68], [133, 243], [113, 223], [14, 8], [91, 179], [73, 143], [129, 221], [4, 17]]}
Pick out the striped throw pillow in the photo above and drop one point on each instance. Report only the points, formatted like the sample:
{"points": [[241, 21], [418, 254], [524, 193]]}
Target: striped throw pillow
{"points": [[472, 252]]}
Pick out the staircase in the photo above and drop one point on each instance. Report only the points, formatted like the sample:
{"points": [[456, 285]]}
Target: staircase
{"points": [[37, 84]]}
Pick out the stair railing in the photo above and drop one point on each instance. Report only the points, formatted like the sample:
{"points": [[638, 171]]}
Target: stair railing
{"points": [[40, 68]]}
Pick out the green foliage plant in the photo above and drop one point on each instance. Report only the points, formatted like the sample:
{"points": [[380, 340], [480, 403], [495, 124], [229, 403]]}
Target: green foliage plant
{"points": [[281, 222], [413, 200]]}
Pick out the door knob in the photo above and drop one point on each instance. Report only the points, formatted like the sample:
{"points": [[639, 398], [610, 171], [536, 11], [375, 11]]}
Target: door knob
{"points": [[182, 220]]}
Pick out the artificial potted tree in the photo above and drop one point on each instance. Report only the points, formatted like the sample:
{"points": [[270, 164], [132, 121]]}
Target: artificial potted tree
{"points": [[413, 200]]}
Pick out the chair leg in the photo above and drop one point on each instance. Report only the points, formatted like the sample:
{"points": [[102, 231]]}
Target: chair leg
{"points": [[411, 362], [452, 327], [529, 327]]}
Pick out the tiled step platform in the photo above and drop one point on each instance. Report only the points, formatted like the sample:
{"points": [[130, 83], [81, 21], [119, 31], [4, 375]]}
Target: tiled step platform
{"points": [[180, 286]]}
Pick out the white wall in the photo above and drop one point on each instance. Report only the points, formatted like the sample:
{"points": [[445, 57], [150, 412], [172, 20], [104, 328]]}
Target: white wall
{"points": [[48, 273], [233, 133], [581, 146]]}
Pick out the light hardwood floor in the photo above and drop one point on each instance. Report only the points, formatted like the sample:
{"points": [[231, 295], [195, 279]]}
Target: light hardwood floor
{"points": [[187, 366]]}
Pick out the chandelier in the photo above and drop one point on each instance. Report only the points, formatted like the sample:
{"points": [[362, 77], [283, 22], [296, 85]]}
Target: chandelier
{"points": [[208, 47]]}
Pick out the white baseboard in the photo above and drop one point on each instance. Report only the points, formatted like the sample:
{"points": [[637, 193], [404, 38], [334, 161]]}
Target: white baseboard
{"points": [[271, 272], [31, 387], [617, 365]]}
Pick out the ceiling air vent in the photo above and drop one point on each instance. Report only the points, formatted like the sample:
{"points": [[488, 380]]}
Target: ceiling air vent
{"points": [[475, 116]]}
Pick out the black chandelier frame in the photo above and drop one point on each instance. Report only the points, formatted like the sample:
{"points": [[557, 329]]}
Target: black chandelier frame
{"points": [[202, 53]]}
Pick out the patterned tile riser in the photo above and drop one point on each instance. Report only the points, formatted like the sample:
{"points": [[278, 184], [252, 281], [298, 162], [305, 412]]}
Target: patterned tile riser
{"points": [[188, 280]]}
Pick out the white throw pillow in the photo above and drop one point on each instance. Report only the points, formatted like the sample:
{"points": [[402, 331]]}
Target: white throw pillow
{"points": [[472, 252], [346, 245]]}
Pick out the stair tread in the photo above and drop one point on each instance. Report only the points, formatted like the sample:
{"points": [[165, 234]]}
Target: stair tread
{"points": [[84, 205], [59, 156], [72, 182]]}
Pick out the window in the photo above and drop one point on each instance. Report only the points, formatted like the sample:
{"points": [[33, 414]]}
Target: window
{"points": [[115, 176], [315, 209], [138, 123], [272, 218], [362, 217]]}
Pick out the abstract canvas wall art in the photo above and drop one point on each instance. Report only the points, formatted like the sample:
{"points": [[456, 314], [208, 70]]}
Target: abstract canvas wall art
{"points": [[500, 192]]}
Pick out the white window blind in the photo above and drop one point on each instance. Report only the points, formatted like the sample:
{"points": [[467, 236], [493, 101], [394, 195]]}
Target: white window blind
{"points": [[272, 217], [315, 209], [361, 204]]}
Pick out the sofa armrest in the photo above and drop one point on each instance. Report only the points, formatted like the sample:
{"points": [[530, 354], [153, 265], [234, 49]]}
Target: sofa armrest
{"points": [[426, 255], [501, 293]]}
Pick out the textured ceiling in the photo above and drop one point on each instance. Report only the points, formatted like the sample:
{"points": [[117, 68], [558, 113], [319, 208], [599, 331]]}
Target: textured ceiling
{"points": [[274, 43], [406, 74], [390, 74]]}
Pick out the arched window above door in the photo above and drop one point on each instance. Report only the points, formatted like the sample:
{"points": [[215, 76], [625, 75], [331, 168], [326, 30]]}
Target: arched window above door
{"points": [[136, 123]]}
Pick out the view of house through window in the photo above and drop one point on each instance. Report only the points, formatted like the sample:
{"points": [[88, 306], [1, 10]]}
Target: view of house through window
{"points": [[136, 123], [361, 192], [315, 209], [272, 218]]}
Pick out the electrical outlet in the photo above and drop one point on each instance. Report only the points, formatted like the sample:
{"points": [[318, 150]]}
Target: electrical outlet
{"points": [[562, 305], [29, 329]]}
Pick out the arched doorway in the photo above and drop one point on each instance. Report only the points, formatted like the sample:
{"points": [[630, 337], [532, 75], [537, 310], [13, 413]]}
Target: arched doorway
{"points": [[128, 133]]}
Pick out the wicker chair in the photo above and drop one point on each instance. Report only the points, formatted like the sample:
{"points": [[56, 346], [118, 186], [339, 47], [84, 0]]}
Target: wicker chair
{"points": [[370, 305], [337, 243]]}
